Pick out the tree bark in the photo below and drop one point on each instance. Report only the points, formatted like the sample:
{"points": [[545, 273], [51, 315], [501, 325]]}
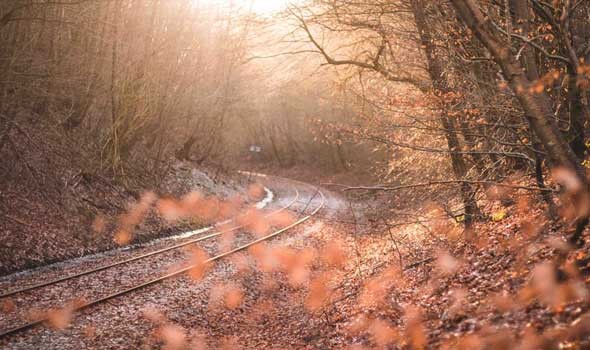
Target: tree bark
{"points": [[578, 115], [96, 68], [521, 23], [115, 156], [441, 86]]}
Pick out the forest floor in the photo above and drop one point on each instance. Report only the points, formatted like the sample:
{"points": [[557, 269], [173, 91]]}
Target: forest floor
{"points": [[494, 287], [338, 281]]}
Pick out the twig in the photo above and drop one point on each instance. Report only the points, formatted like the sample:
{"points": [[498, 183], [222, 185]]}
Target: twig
{"points": [[18, 221], [406, 268], [532, 43]]}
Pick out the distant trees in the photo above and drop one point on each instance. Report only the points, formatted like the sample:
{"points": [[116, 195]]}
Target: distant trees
{"points": [[128, 75], [141, 81]]}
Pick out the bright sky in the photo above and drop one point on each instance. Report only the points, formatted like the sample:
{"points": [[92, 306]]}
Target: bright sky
{"points": [[263, 7], [269, 6]]}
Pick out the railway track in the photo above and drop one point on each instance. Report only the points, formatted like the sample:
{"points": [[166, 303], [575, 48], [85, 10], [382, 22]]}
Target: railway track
{"points": [[139, 257], [179, 272]]}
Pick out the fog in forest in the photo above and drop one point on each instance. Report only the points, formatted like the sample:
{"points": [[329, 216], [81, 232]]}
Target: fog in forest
{"points": [[306, 174]]}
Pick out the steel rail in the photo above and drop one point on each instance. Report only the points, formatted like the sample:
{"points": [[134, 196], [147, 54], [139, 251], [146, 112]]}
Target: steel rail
{"points": [[139, 257], [154, 281]]}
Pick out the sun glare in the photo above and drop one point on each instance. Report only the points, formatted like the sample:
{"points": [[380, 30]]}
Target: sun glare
{"points": [[263, 7], [268, 6]]}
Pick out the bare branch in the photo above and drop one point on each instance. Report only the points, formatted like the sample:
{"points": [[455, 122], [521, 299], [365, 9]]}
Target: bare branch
{"points": [[436, 183]]}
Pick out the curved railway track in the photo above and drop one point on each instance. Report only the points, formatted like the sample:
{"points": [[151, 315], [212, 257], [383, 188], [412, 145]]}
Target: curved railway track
{"points": [[139, 257], [179, 272]]}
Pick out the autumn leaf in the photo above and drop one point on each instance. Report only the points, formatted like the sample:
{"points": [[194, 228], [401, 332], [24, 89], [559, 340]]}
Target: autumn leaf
{"points": [[383, 333], [173, 336], [446, 263], [233, 296], [318, 293], [8, 306], [60, 318], [198, 263]]}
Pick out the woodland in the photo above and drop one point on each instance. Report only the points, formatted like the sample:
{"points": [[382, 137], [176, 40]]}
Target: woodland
{"points": [[448, 140]]}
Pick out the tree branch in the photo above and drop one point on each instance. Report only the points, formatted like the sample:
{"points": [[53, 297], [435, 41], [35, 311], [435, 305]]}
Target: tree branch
{"points": [[435, 183]]}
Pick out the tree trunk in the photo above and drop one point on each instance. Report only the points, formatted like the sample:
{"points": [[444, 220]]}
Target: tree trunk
{"points": [[521, 23], [115, 156], [440, 85], [96, 68], [275, 150], [470, 140], [577, 116]]}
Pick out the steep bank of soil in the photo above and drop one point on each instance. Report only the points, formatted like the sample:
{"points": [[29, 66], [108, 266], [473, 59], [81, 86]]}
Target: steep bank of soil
{"points": [[41, 228], [56, 204]]}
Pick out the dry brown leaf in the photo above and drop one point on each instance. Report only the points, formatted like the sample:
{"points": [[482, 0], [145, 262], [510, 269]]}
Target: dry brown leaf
{"points": [[173, 336], [199, 264], [60, 318], [8, 306]]}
